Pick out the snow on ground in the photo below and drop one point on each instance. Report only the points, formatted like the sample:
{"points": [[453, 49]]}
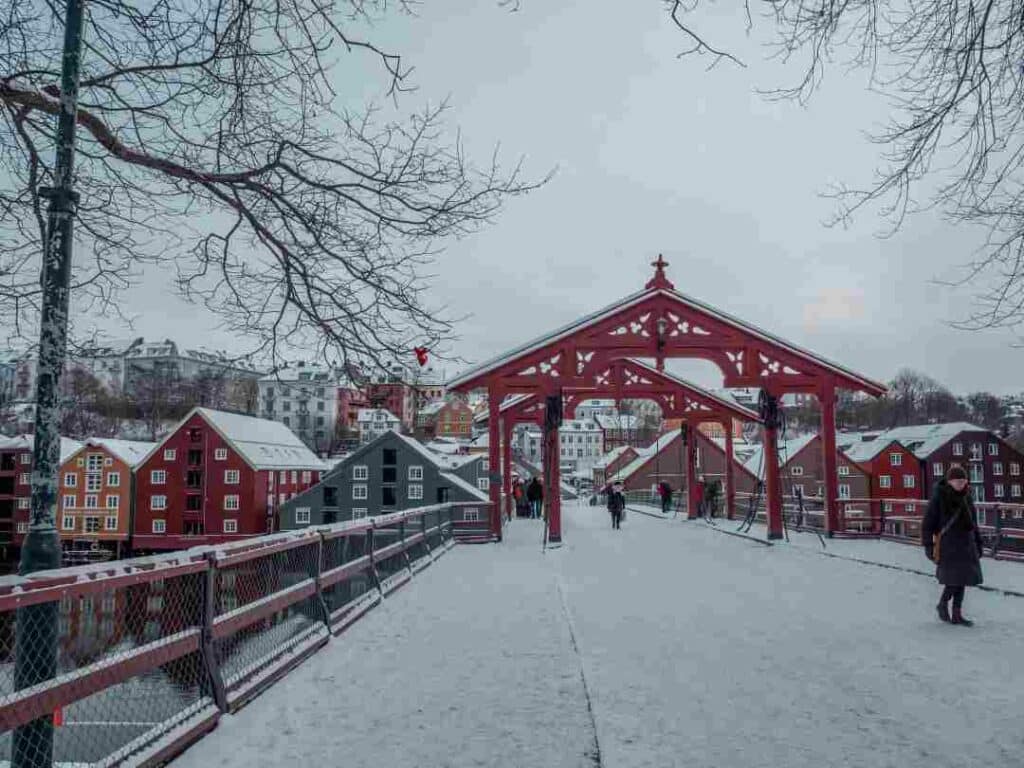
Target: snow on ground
{"points": [[698, 649]]}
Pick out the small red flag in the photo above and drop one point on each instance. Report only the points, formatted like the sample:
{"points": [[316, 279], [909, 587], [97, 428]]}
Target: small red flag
{"points": [[421, 355]]}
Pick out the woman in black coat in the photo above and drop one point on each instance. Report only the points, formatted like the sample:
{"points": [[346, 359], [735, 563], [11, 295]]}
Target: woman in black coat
{"points": [[951, 518]]}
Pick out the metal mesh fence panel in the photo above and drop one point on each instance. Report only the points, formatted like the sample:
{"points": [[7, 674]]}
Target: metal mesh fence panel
{"points": [[339, 551], [260, 610], [126, 658]]}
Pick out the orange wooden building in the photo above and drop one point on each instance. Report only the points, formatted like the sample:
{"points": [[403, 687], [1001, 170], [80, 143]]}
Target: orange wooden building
{"points": [[96, 494]]}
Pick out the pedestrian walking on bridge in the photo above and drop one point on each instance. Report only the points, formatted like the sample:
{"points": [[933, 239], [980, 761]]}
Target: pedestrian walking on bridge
{"points": [[616, 504]]}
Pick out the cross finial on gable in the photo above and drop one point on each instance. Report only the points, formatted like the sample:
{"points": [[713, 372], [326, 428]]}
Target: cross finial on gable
{"points": [[659, 280]]}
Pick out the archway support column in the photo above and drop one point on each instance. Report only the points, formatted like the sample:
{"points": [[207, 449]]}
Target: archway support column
{"points": [[506, 465], [827, 398], [690, 437], [773, 488], [494, 458], [730, 477], [552, 468]]}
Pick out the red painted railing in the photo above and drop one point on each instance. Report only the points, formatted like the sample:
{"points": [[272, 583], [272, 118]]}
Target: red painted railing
{"points": [[152, 651]]}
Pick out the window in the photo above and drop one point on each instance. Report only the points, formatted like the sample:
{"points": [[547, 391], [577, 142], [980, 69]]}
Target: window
{"points": [[94, 462], [388, 498], [483, 483], [286, 421], [485, 465], [415, 492], [358, 513], [295, 476], [937, 469], [909, 509], [844, 471], [110, 523], [68, 523], [307, 476], [993, 449], [976, 473], [170, 454], [390, 457], [92, 525], [797, 471], [113, 502], [114, 479], [193, 502], [844, 491], [359, 492], [302, 515], [909, 481], [282, 477], [195, 457], [157, 502], [1014, 468], [231, 476], [997, 490], [320, 405], [416, 472], [997, 468], [23, 503], [887, 506], [896, 459], [195, 434], [159, 526], [389, 474], [24, 478], [230, 526], [1015, 490], [360, 472], [22, 527], [471, 515], [92, 501], [93, 482], [231, 502], [975, 451], [220, 454], [885, 481], [798, 490], [26, 458], [158, 477], [81, 461], [70, 502], [958, 449], [70, 480]]}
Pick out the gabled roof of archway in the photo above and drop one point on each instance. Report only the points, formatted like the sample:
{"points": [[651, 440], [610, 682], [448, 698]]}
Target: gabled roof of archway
{"points": [[699, 321]]}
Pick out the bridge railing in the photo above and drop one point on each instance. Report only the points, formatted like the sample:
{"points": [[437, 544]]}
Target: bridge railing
{"points": [[146, 654]]}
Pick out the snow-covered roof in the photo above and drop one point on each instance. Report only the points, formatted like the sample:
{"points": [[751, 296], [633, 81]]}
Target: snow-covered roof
{"points": [[674, 296], [367, 414], [787, 450], [925, 439], [131, 452], [432, 409], [458, 482], [864, 450], [622, 421], [262, 443], [611, 456], [645, 454], [68, 447]]}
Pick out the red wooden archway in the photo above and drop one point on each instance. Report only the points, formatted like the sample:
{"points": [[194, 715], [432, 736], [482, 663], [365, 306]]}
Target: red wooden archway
{"points": [[630, 378], [657, 323]]}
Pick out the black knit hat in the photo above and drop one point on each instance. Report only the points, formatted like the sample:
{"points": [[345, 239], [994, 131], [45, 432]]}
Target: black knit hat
{"points": [[956, 472]]}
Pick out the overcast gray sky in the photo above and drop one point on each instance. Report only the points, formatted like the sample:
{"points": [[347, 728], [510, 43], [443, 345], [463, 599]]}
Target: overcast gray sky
{"points": [[655, 154]]}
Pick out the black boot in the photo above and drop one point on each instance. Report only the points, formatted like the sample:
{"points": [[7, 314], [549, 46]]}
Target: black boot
{"points": [[943, 610], [958, 618]]}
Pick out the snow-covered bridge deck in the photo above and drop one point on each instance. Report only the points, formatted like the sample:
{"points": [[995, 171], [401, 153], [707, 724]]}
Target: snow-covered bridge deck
{"points": [[663, 644]]}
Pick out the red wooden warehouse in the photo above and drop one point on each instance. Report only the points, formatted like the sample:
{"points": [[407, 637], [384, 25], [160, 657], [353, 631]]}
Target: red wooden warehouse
{"points": [[657, 323], [218, 477]]}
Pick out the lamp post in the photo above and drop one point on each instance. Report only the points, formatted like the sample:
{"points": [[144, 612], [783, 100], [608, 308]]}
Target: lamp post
{"points": [[36, 631]]}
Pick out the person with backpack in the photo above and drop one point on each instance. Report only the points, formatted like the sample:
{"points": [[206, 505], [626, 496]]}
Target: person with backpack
{"points": [[711, 496], [951, 540], [616, 504]]}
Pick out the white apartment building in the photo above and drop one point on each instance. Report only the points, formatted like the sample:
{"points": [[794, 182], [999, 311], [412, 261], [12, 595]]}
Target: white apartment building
{"points": [[304, 399], [374, 422]]}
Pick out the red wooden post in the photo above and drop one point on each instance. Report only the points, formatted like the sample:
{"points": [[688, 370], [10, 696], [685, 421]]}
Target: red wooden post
{"points": [[691, 470], [506, 463], [828, 442], [730, 479], [494, 458], [553, 492], [771, 476]]}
